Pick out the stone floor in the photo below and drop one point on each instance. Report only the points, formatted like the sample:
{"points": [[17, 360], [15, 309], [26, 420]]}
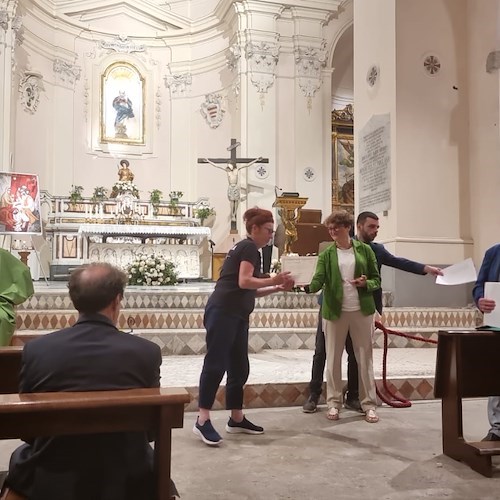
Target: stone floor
{"points": [[304, 456], [286, 365]]}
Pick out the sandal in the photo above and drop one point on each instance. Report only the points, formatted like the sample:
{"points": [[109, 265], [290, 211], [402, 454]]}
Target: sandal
{"points": [[332, 414], [371, 416]]}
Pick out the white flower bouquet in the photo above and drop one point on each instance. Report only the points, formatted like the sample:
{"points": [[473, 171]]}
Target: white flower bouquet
{"points": [[121, 187], [151, 270]]}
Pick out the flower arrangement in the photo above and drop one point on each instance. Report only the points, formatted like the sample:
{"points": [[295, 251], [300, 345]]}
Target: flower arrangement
{"points": [[175, 196], [75, 194], [100, 193], [155, 196], [204, 212], [121, 187], [151, 270], [275, 266]]}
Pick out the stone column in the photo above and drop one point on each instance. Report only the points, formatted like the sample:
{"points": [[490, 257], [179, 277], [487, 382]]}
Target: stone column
{"points": [[280, 107], [9, 27], [420, 83]]}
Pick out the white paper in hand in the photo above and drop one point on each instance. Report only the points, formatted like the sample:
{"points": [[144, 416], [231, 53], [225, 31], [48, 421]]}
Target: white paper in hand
{"points": [[457, 274]]}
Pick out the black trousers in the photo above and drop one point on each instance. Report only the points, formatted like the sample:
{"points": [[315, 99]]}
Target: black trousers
{"points": [[319, 361], [227, 351]]}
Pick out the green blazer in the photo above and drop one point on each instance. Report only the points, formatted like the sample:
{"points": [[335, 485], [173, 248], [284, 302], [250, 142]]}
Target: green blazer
{"points": [[327, 276]]}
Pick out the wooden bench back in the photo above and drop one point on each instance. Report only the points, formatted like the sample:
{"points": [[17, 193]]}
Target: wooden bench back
{"points": [[156, 411], [469, 361], [10, 368]]}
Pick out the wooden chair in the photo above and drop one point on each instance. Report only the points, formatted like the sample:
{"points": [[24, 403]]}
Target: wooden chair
{"points": [[467, 366], [155, 411]]}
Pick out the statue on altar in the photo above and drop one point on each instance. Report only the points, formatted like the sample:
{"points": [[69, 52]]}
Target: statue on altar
{"points": [[124, 172]]}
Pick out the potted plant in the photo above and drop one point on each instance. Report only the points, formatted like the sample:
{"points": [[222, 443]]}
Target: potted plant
{"points": [[203, 213], [100, 194], [75, 195], [155, 199], [175, 196]]}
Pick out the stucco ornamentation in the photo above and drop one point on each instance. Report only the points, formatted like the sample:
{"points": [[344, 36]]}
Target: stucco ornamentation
{"points": [[309, 62], [233, 58], [4, 19], [432, 65], [212, 110], [179, 83], [67, 72], [372, 75], [121, 44], [30, 86], [263, 58]]}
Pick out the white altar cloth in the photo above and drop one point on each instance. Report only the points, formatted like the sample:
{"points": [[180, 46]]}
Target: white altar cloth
{"points": [[145, 230]]}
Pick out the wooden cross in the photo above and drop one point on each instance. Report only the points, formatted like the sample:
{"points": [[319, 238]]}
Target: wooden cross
{"points": [[232, 169]]}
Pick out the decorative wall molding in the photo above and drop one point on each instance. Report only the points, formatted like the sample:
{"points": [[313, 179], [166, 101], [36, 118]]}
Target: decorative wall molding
{"points": [[30, 86], [263, 59], [372, 75], [309, 61], [67, 72], [178, 84], [493, 61], [86, 99], [121, 44], [233, 58], [4, 19], [345, 115], [158, 107], [432, 65], [212, 110]]}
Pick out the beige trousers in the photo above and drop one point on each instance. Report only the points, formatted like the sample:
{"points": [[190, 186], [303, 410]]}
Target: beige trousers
{"points": [[360, 329]]}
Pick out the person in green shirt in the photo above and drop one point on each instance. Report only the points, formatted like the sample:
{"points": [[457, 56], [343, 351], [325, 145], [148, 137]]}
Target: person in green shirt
{"points": [[348, 274], [15, 287]]}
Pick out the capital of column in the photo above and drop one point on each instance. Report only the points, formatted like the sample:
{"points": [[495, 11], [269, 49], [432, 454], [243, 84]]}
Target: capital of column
{"points": [[310, 59]]}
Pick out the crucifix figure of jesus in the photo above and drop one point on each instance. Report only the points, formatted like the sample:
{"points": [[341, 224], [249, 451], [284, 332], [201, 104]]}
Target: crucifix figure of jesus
{"points": [[232, 170]]}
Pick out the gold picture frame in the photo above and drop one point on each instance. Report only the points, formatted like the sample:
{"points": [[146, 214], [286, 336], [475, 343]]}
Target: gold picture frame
{"points": [[343, 159], [122, 105]]}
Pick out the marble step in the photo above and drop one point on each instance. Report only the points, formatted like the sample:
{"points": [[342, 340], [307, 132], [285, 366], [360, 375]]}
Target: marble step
{"points": [[281, 377], [171, 318], [189, 341]]}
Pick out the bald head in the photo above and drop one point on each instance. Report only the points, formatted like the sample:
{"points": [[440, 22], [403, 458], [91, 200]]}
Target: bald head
{"points": [[95, 286]]}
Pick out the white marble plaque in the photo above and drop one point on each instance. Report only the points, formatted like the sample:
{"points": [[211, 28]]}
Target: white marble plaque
{"points": [[374, 153]]}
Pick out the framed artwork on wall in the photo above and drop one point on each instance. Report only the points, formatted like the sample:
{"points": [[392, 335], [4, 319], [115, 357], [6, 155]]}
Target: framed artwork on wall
{"points": [[343, 159], [19, 204], [122, 105]]}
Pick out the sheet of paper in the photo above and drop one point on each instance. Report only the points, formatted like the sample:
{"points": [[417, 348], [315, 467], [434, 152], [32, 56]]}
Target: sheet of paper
{"points": [[301, 268], [457, 274], [492, 291]]}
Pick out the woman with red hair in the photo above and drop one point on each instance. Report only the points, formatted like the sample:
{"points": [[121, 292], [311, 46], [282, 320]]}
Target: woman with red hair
{"points": [[226, 321]]}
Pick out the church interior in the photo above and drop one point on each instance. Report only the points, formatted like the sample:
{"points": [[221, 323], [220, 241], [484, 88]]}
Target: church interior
{"points": [[149, 127]]}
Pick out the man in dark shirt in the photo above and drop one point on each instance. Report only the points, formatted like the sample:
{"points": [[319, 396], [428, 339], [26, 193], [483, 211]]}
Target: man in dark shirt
{"points": [[367, 225], [92, 355]]}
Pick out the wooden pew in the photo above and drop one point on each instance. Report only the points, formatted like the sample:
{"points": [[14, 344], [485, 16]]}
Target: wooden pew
{"points": [[467, 366], [10, 368], [67, 413]]}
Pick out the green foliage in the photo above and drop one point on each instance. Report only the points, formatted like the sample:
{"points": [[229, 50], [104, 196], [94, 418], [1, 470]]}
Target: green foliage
{"points": [[175, 196], [155, 196], [75, 195], [100, 193], [204, 212]]}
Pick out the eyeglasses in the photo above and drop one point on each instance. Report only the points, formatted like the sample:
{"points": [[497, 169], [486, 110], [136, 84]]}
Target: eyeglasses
{"points": [[333, 228], [269, 230]]}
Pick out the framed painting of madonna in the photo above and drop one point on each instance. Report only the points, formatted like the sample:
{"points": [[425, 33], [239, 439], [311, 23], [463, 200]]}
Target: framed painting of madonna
{"points": [[343, 159], [122, 104]]}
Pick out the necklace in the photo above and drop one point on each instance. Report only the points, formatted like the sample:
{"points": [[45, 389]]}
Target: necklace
{"points": [[343, 247]]}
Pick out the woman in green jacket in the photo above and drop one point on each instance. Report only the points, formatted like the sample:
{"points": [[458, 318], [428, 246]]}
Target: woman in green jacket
{"points": [[348, 274]]}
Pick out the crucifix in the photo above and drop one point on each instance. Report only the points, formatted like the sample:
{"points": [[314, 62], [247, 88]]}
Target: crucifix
{"points": [[232, 170]]}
